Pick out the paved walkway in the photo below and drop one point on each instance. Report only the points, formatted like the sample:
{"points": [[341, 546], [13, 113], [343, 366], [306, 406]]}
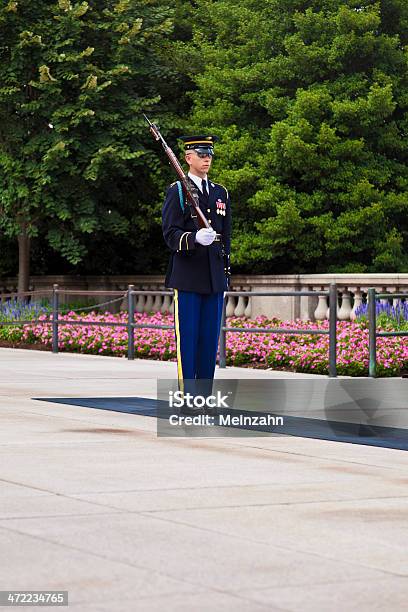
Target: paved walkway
{"points": [[94, 503]]}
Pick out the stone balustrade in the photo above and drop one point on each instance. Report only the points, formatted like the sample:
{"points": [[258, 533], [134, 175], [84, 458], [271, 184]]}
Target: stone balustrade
{"points": [[352, 290]]}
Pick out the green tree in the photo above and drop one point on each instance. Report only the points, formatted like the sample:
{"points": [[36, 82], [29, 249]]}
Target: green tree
{"points": [[8, 256], [74, 79], [310, 99]]}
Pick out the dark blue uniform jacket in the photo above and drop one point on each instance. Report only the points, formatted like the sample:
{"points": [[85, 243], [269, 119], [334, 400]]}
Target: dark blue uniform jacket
{"points": [[194, 267]]}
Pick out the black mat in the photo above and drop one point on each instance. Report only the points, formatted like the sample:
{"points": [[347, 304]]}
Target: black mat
{"points": [[386, 437], [131, 405]]}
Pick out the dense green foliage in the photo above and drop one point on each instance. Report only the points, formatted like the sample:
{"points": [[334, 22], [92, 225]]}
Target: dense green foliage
{"points": [[76, 159], [309, 98]]}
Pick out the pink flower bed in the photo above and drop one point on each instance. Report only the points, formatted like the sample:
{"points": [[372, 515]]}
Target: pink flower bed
{"points": [[103, 340], [300, 353], [310, 354]]}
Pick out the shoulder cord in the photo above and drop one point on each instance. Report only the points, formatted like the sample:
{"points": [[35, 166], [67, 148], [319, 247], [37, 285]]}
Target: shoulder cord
{"points": [[181, 195]]}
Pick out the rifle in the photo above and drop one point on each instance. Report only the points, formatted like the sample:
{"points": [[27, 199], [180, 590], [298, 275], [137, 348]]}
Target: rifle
{"points": [[190, 191]]}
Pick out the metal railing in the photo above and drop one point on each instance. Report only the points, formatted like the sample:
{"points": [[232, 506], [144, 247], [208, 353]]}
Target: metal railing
{"points": [[131, 325], [56, 322], [373, 334], [331, 332]]}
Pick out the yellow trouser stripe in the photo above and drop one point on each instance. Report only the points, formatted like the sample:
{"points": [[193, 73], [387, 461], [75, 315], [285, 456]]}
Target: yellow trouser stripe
{"points": [[177, 328]]}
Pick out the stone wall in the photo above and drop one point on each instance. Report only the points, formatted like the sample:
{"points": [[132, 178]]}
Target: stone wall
{"points": [[352, 292]]}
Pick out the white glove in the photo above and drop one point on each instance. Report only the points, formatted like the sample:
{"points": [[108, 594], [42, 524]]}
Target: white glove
{"points": [[205, 236]]}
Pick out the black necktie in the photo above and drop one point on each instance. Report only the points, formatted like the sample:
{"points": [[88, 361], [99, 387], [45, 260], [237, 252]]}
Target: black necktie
{"points": [[204, 188]]}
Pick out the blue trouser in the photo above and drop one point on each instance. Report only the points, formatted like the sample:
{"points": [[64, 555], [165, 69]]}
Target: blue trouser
{"points": [[197, 324]]}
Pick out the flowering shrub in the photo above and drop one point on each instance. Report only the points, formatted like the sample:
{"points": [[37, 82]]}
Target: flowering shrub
{"points": [[13, 310], [389, 317], [309, 354], [298, 353], [99, 339]]}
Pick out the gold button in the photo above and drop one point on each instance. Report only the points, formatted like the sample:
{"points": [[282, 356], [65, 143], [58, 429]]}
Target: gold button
{"points": [[208, 209], [209, 221]]}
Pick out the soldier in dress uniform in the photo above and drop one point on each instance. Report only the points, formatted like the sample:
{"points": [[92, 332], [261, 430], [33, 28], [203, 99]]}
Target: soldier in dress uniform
{"points": [[199, 264]]}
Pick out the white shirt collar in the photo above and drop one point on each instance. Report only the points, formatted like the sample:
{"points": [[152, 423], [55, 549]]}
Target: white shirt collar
{"points": [[198, 181]]}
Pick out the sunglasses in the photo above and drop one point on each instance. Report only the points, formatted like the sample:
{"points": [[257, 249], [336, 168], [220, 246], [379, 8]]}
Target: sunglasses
{"points": [[204, 155]]}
